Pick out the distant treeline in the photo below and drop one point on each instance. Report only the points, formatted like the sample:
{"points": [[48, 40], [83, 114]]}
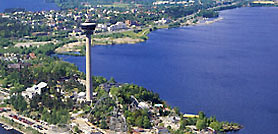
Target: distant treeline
{"points": [[208, 14], [65, 4], [232, 6]]}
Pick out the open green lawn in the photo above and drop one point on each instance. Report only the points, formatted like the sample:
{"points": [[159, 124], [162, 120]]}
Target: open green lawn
{"points": [[141, 34], [162, 26], [1, 81]]}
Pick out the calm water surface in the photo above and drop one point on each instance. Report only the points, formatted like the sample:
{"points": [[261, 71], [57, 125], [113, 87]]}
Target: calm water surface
{"points": [[228, 69], [4, 131], [29, 5]]}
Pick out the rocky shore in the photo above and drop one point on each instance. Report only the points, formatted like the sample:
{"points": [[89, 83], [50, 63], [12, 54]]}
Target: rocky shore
{"points": [[78, 46]]}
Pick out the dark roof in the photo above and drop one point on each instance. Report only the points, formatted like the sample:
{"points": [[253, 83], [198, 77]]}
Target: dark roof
{"points": [[15, 66], [107, 86], [96, 133]]}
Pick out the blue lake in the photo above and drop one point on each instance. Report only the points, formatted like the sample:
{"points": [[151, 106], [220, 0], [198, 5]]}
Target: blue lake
{"points": [[228, 68], [4, 131], [29, 5]]}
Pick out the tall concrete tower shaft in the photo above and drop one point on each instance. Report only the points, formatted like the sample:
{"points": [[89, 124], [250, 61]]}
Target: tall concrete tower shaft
{"points": [[88, 28], [89, 84]]}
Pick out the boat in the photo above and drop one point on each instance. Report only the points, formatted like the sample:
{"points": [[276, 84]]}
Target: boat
{"points": [[7, 127]]}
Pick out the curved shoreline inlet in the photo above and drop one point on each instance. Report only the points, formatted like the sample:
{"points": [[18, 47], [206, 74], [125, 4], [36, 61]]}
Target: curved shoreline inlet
{"points": [[227, 69]]}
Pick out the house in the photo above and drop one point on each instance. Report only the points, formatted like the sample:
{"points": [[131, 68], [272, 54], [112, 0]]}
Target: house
{"points": [[120, 25], [32, 55], [211, 130], [81, 97], [162, 130], [163, 21], [101, 27], [144, 105], [117, 26], [158, 105], [18, 65], [128, 22], [107, 86], [14, 66], [174, 119], [40, 34], [76, 32], [36, 89], [160, 2], [138, 130]]}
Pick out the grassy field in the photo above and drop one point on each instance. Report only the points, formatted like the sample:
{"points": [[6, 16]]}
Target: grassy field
{"points": [[162, 26], [1, 81], [138, 34]]}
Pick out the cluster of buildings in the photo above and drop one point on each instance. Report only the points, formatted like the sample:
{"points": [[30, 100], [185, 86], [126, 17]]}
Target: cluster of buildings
{"points": [[117, 26], [68, 20], [107, 27], [12, 57], [117, 122], [187, 3], [17, 61], [63, 20], [111, 28]]}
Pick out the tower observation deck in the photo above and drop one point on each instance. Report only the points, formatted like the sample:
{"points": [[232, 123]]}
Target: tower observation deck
{"points": [[88, 28]]}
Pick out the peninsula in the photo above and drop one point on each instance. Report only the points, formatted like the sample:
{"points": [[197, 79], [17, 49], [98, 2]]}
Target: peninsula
{"points": [[44, 94], [118, 23]]}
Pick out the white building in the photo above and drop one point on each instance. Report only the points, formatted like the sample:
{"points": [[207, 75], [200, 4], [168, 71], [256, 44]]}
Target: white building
{"points": [[160, 2], [81, 97], [101, 27], [172, 2], [117, 26], [36, 89], [144, 105], [163, 21]]}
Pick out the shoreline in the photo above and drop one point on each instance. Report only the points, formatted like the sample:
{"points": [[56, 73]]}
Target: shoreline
{"points": [[134, 38], [16, 125], [13, 128], [74, 49]]}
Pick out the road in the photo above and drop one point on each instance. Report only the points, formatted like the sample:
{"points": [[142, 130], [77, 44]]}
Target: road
{"points": [[45, 129], [86, 126]]}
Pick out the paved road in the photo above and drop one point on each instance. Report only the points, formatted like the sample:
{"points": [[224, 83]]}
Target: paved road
{"points": [[86, 126], [46, 128]]}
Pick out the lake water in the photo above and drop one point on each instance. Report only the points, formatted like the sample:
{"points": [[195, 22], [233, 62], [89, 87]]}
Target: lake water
{"points": [[29, 5], [4, 131], [228, 68]]}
